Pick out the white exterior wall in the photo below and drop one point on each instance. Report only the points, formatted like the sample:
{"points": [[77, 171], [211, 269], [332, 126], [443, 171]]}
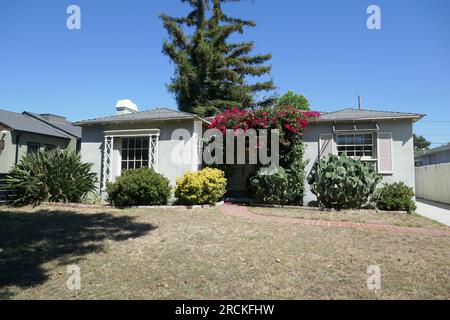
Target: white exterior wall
{"points": [[93, 140], [403, 151]]}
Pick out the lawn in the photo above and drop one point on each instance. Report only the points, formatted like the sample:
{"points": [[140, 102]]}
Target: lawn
{"points": [[202, 254], [362, 216]]}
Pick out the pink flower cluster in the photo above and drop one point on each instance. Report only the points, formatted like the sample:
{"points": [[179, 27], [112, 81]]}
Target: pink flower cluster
{"points": [[289, 120]]}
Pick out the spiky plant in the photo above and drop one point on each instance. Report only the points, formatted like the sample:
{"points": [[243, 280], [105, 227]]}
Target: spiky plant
{"points": [[343, 182], [54, 176]]}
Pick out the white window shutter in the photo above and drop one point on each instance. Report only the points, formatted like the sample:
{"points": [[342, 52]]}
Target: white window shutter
{"points": [[385, 153], [325, 145]]}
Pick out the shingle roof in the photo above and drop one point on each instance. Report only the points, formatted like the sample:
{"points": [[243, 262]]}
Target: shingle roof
{"points": [[351, 114], [22, 122], [61, 124], [149, 115], [434, 150]]}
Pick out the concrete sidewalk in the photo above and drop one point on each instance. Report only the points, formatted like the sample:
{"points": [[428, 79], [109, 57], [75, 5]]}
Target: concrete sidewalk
{"points": [[434, 210]]}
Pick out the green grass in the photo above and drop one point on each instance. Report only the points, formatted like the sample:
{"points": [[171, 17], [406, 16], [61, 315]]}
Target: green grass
{"points": [[201, 254]]}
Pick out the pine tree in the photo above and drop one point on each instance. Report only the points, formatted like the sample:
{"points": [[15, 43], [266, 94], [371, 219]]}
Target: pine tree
{"points": [[211, 74]]}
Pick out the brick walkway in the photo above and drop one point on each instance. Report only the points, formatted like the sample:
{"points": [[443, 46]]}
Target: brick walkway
{"points": [[243, 212]]}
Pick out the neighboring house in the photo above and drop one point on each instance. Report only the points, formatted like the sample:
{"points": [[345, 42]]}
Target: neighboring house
{"points": [[382, 138], [132, 139], [21, 133], [433, 156]]}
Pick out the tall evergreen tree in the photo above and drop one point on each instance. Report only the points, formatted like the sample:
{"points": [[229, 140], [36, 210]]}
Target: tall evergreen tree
{"points": [[211, 73]]}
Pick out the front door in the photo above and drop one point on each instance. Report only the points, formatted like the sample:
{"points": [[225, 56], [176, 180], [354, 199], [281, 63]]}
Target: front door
{"points": [[239, 180]]}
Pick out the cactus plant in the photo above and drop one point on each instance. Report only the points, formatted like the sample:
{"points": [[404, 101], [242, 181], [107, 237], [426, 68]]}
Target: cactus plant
{"points": [[343, 182]]}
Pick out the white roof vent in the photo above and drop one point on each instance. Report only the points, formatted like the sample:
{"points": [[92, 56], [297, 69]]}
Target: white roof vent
{"points": [[126, 106]]}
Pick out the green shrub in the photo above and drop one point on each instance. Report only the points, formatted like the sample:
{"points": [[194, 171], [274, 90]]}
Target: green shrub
{"points": [[55, 176], [292, 160], [395, 197], [141, 187], [277, 188], [343, 182], [285, 186], [203, 187]]}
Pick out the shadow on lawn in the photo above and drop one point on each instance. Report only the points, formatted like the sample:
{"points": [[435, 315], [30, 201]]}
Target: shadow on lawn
{"points": [[28, 240]]}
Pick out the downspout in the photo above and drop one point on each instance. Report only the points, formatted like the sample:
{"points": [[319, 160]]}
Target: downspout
{"points": [[17, 148]]}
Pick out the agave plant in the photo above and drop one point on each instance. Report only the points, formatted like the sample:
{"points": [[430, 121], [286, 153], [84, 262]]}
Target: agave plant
{"points": [[55, 176], [343, 182]]}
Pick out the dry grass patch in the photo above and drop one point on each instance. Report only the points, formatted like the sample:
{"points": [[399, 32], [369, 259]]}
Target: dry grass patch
{"points": [[201, 254], [361, 216]]}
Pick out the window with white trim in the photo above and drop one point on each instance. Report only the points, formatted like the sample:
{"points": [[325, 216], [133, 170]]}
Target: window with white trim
{"points": [[135, 152], [359, 145]]}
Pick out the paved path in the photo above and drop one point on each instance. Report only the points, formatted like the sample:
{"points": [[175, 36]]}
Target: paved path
{"points": [[243, 212], [434, 210]]}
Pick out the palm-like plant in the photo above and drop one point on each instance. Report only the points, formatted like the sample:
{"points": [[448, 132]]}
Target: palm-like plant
{"points": [[55, 176]]}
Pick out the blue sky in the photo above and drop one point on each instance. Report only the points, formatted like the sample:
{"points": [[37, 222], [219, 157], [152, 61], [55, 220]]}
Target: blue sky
{"points": [[321, 48]]}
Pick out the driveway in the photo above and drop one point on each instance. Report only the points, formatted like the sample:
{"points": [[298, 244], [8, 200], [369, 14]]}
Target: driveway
{"points": [[434, 210]]}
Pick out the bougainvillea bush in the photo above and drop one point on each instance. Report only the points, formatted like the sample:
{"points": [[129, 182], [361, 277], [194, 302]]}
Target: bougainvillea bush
{"points": [[291, 124], [290, 121]]}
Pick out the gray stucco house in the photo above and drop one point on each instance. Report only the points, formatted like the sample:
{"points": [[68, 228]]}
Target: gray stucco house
{"points": [[132, 139], [25, 132], [383, 138], [434, 156]]}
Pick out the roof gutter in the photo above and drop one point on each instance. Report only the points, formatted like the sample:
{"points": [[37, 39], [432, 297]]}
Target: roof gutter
{"points": [[41, 134], [87, 123], [414, 118]]}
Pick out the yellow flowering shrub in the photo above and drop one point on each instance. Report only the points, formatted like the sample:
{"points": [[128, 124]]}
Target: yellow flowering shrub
{"points": [[203, 187]]}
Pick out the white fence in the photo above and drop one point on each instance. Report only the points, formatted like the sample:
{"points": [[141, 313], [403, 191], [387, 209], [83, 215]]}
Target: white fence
{"points": [[433, 182]]}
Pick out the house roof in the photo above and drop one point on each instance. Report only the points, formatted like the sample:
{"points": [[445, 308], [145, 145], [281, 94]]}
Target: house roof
{"points": [[57, 122], [352, 114], [434, 150], [158, 114], [22, 122]]}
